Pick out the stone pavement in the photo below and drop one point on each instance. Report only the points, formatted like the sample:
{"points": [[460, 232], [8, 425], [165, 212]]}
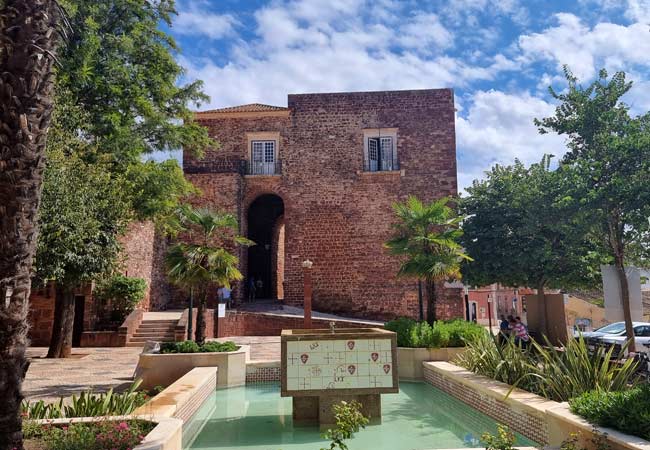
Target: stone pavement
{"points": [[100, 369]]}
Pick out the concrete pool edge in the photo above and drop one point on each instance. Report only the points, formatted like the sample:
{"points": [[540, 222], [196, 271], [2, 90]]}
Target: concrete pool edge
{"points": [[541, 420]]}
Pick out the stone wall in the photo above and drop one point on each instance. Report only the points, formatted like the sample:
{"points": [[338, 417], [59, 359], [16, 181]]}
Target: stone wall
{"points": [[336, 214], [143, 253], [41, 315], [257, 324]]}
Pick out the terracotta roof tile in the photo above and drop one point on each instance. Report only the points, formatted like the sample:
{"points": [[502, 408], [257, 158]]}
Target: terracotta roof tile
{"points": [[251, 107]]}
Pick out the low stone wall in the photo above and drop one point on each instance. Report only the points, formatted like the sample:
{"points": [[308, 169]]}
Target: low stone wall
{"points": [[409, 360], [241, 323], [184, 397], [100, 339], [543, 421], [163, 369]]}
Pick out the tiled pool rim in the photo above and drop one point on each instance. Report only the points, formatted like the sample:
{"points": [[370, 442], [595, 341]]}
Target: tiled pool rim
{"points": [[536, 418]]}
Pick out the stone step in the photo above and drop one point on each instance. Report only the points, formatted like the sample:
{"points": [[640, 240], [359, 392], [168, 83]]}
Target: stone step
{"points": [[156, 328], [153, 335], [142, 340]]}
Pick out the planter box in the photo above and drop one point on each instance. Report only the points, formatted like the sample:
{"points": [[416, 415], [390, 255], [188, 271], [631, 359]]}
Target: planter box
{"points": [[541, 420], [157, 369], [409, 360]]}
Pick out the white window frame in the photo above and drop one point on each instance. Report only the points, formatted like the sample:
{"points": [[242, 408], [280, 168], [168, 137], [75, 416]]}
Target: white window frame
{"points": [[265, 166], [379, 133]]}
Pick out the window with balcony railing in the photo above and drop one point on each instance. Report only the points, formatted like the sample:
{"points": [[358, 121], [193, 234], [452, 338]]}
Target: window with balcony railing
{"points": [[380, 151], [264, 160]]}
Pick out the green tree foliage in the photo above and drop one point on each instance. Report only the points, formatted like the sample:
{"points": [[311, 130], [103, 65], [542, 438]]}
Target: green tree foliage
{"points": [[427, 237], [203, 262], [522, 230], [120, 66], [609, 155]]}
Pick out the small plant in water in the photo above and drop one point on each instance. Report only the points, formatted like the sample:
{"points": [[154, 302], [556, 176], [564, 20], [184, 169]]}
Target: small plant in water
{"points": [[504, 440], [348, 421]]}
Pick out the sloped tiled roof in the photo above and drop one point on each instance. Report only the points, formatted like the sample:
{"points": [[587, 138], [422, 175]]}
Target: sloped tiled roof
{"points": [[249, 108]]}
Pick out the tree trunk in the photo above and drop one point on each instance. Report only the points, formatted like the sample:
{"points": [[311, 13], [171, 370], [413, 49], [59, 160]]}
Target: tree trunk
{"points": [[625, 300], [61, 342], [55, 341], [200, 319], [431, 301], [541, 298], [67, 323], [28, 42]]}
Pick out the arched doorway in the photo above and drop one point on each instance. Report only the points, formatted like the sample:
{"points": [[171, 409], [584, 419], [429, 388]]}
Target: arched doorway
{"points": [[266, 258]]}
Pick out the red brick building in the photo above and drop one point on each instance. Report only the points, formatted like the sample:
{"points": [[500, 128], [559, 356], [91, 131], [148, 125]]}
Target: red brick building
{"points": [[316, 180]]}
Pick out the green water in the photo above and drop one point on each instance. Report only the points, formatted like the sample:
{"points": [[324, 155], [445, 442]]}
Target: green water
{"points": [[255, 417]]}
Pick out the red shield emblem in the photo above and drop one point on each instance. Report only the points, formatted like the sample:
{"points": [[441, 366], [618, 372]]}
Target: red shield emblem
{"points": [[304, 357], [386, 368], [351, 345], [375, 357], [351, 369]]}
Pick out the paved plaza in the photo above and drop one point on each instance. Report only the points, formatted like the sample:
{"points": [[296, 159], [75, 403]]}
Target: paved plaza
{"points": [[100, 369]]}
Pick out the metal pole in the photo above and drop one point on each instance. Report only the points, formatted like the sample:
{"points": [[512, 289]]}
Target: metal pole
{"points": [[489, 313], [420, 304], [306, 265], [467, 304]]}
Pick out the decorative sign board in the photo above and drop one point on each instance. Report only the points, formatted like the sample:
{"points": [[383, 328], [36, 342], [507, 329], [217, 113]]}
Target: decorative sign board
{"points": [[349, 361]]}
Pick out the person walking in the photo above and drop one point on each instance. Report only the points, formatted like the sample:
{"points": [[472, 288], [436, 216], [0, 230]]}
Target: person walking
{"points": [[504, 330], [251, 289]]}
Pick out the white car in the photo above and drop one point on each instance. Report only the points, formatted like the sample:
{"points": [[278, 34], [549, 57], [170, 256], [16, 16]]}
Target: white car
{"points": [[641, 337]]}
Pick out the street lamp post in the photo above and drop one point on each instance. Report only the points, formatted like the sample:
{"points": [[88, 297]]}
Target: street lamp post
{"points": [[467, 303], [489, 308], [306, 266]]}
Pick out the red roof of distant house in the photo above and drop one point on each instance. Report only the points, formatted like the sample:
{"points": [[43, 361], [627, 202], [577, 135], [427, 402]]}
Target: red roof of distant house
{"points": [[251, 107]]}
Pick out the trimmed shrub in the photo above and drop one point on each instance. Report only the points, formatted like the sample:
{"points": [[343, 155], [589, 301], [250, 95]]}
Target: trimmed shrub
{"points": [[454, 333], [193, 347], [626, 411]]}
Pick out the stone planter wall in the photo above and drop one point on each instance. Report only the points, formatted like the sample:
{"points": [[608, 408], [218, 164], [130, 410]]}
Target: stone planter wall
{"points": [[544, 421], [157, 369], [409, 360]]}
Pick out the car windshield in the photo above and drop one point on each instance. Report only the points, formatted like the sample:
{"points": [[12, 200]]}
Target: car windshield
{"points": [[612, 328]]}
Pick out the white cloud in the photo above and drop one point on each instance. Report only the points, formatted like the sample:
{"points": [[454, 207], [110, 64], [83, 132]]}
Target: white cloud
{"points": [[196, 20], [638, 10], [587, 49], [498, 128], [325, 46]]}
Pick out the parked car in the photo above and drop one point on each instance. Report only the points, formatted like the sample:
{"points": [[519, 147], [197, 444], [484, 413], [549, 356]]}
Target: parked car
{"points": [[641, 337]]}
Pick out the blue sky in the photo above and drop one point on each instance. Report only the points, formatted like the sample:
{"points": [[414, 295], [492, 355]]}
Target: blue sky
{"points": [[498, 56]]}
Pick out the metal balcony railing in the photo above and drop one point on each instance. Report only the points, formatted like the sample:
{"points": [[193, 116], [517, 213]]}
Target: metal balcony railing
{"points": [[264, 168], [383, 165]]}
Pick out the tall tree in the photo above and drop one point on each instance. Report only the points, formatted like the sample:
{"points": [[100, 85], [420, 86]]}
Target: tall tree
{"points": [[522, 230], [203, 262], [28, 45], [82, 216], [609, 151], [427, 237], [120, 66]]}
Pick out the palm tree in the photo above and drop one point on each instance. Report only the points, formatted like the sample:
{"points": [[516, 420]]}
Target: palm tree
{"points": [[198, 266], [28, 44], [427, 237]]}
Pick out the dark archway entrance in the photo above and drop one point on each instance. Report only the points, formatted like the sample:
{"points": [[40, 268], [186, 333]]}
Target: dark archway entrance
{"points": [[266, 258]]}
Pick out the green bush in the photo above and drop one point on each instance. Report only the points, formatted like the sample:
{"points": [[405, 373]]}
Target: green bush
{"points": [[454, 333], [557, 374], [88, 404], [123, 292], [193, 347], [90, 436], [402, 328], [627, 411]]}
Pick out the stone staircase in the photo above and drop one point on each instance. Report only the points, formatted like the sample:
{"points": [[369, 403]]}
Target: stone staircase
{"points": [[161, 330]]}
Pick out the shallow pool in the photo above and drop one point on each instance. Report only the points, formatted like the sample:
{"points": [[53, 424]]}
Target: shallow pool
{"points": [[255, 417]]}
